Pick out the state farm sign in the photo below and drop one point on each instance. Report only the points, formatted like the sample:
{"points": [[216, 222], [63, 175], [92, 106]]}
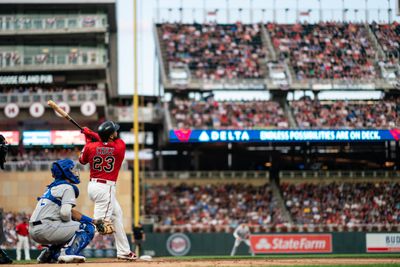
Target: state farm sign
{"points": [[297, 243]]}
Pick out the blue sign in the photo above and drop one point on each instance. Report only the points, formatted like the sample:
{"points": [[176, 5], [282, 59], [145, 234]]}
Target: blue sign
{"points": [[206, 136], [36, 138]]}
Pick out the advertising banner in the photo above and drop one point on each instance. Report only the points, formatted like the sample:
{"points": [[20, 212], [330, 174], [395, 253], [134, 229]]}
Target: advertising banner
{"points": [[67, 138], [291, 243], [259, 136], [12, 137], [36, 138], [383, 243]]}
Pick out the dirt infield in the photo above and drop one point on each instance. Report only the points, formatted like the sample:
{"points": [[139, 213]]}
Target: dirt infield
{"points": [[226, 262]]}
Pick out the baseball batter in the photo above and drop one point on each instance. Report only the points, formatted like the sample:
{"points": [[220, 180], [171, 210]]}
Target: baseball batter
{"points": [[105, 152], [55, 223], [241, 234]]}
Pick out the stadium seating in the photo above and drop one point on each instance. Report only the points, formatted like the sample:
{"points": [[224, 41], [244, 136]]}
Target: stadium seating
{"points": [[210, 207], [344, 203], [228, 114], [343, 114], [328, 50], [388, 36], [215, 51], [43, 154]]}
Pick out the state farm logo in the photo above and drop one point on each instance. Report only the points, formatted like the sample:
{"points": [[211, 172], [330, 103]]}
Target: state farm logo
{"points": [[263, 244], [291, 243], [178, 244]]}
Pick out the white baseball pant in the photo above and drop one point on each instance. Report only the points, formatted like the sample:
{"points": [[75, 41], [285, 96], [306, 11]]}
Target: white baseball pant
{"points": [[237, 243], [106, 207], [23, 241]]}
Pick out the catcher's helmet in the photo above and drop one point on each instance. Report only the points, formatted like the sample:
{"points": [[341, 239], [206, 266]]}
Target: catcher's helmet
{"points": [[65, 169], [106, 129]]}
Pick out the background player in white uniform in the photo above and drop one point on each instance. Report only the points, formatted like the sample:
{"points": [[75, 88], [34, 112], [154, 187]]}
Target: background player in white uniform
{"points": [[23, 239], [241, 234], [55, 223]]}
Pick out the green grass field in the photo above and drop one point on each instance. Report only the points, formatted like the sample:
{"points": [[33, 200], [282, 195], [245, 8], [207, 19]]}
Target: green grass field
{"points": [[270, 260]]}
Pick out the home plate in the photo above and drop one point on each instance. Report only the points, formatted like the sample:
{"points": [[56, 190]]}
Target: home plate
{"points": [[146, 257]]}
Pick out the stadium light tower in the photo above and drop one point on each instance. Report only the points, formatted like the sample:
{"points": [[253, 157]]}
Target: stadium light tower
{"points": [[320, 10], [389, 12], [286, 14], [181, 10], [366, 12], [274, 11], [343, 11], [228, 12], [158, 10], [251, 11]]}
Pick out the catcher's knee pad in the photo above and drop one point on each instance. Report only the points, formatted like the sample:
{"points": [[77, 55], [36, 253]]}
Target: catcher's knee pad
{"points": [[81, 239], [89, 229]]}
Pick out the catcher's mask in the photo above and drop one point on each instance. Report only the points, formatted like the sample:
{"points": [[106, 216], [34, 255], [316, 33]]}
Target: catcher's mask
{"points": [[65, 169]]}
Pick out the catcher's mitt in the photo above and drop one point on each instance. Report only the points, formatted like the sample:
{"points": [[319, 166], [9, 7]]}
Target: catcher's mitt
{"points": [[104, 227]]}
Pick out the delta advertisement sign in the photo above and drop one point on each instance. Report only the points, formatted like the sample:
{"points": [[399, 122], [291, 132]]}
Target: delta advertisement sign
{"points": [[378, 243], [259, 136], [291, 243]]}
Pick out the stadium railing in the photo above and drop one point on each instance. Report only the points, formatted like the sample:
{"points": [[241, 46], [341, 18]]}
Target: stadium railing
{"points": [[73, 98], [43, 57], [339, 174], [206, 175], [341, 84], [221, 84], [43, 23], [28, 165], [280, 228]]}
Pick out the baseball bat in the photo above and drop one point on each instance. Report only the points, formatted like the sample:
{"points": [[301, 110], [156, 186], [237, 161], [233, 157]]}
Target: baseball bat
{"points": [[64, 114]]}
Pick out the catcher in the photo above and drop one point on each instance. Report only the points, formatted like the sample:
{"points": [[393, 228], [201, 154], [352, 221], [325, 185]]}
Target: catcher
{"points": [[56, 224]]}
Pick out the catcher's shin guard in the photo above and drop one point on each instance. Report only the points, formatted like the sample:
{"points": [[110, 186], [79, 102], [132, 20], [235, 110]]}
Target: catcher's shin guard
{"points": [[81, 239]]}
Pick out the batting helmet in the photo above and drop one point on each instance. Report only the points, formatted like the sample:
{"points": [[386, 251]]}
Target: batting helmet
{"points": [[106, 129], [64, 169]]}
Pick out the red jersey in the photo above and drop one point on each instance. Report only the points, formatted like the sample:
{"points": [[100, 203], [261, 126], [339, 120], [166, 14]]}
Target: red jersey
{"points": [[22, 229], [105, 158]]}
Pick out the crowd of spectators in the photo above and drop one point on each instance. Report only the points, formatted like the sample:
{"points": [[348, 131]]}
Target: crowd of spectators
{"points": [[10, 221], [388, 36], [328, 50], [45, 89], [42, 154], [215, 51], [347, 204], [227, 114], [344, 114], [211, 206]]}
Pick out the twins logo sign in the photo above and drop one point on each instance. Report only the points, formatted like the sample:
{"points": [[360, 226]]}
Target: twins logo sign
{"points": [[178, 244]]}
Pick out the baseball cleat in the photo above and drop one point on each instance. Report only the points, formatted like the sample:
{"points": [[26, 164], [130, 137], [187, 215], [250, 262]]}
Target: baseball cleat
{"points": [[129, 257], [44, 256], [71, 259]]}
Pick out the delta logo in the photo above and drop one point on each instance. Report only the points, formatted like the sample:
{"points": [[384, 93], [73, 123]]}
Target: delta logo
{"points": [[307, 243]]}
